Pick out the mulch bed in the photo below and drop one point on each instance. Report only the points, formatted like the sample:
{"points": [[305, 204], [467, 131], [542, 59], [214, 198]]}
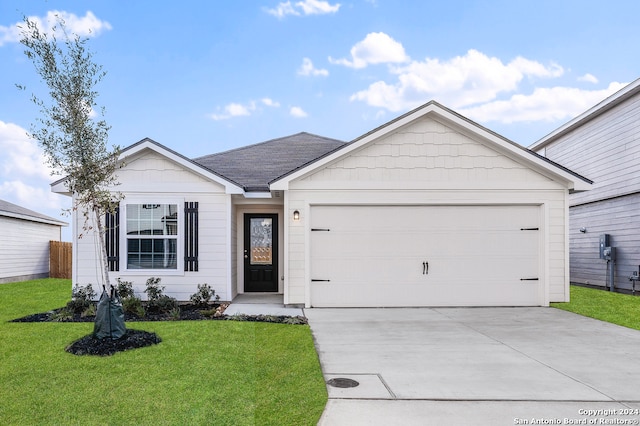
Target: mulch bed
{"points": [[133, 339], [188, 312], [90, 345]]}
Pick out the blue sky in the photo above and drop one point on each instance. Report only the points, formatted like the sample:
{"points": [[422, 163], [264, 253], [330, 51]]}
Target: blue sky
{"points": [[206, 76]]}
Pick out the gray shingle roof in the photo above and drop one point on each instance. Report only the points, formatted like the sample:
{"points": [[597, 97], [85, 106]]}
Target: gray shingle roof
{"points": [[254, 166], [13, 210]]}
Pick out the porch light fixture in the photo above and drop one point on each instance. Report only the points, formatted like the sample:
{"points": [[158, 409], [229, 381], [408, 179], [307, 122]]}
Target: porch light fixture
{"points": [[296, 215]]}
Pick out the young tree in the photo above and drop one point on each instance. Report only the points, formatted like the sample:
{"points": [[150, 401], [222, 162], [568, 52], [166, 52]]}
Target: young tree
{"points": [[73, 140]]}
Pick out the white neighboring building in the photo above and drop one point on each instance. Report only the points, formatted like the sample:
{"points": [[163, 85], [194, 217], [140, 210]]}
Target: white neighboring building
{"points": [[24, 252], [603, 144]]}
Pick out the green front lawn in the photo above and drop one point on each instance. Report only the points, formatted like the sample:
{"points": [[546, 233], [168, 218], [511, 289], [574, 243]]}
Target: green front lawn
{"points": [[203, 372], [617, 308]]}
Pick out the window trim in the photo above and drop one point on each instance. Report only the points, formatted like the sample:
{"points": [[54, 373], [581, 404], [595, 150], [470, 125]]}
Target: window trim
{"points": [[124, 247]]}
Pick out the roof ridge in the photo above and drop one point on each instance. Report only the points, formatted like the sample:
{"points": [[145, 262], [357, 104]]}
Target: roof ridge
{"points": [[245, 147]]}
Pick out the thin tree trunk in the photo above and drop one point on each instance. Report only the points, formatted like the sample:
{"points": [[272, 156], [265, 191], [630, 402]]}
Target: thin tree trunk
{"points": [[103, 248]]}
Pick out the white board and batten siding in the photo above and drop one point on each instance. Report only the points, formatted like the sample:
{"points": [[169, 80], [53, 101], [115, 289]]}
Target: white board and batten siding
{"points": [[427, 192], [149, 177], [24, 253], [605, 149]]}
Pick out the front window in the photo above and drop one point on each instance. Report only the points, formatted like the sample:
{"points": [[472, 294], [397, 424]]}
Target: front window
{"points": [[152, 236]]}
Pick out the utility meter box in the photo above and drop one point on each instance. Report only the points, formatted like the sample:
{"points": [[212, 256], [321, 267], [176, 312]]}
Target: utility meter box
{"points": [[610, 253], [605, 241]]}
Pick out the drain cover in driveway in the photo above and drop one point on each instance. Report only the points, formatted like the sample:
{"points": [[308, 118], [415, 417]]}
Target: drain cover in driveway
{"points": [[342, 382], [357, 386]]}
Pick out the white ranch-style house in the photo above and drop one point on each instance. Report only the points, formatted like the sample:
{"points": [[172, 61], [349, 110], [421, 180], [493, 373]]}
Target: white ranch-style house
{"points": [[430, 209]]}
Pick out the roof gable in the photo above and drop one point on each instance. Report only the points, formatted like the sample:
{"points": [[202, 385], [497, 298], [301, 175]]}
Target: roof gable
{"points": [[452, 120], [424, 153], [230, 186]]}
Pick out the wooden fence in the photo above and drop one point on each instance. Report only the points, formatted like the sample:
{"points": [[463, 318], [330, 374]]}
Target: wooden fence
{"points": [[60, 259]]}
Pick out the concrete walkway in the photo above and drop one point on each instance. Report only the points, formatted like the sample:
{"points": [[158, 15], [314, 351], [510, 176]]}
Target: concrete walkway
{"points": [[476, 366], [261, 304]]}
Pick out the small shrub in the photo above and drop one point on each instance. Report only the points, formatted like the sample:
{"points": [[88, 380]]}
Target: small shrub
{"points": [[239, 317], [64, 314], [204, 294], [81, 299], [133, 305], [89, 312], [174, 314], [163, 304], [210, 313], [157, 300], [297, 320], [268, 318], [153, 289], [125, 289], [83, 293]]}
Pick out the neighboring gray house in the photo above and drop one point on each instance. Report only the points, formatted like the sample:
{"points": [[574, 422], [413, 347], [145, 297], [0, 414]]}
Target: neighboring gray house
{"points": [[24, 252], [429, 209], [603, 144]]}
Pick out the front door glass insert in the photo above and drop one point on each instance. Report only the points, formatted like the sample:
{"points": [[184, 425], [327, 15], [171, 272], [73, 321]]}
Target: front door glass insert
{"points": [[261, 241]]}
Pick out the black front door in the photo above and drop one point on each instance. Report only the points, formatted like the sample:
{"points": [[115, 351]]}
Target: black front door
{"points": [[260, 252]]}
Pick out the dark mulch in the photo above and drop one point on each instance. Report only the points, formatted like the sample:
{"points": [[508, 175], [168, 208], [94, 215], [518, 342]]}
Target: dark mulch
{"points": [[188, 312], [89, 345], [133, 339]]}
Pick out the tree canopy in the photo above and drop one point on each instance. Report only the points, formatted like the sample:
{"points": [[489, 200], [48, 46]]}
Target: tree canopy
{"points": [[73, 136], [74, 140]]}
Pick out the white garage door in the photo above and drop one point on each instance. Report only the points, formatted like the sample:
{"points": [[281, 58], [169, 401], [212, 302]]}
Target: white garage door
{"points": [[369, 256]]}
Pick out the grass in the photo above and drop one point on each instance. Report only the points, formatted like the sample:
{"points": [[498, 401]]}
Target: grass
{"points": [[616, 308], [203, 372]]}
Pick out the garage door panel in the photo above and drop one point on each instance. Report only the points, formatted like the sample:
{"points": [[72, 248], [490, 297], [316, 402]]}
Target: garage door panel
{"points": [[410, 270], [376, 255], [379, 295]]}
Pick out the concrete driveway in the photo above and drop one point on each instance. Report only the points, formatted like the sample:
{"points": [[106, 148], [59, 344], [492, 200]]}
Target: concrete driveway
{"points": [[476, 366]]}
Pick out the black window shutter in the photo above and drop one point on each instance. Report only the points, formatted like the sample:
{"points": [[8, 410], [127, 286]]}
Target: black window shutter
{"points": [[191, 236], [112, 239]]}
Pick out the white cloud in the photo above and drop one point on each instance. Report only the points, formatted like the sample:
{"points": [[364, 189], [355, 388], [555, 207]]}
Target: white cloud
{"points": [[376, 48], [458, 82], [544, 104], [86, 26], [270, 102], [317, 7], [306, 7], [24, 175], [283, 9], [307, 69], [535, 69], [238, 110], [21, 156], [483, 88], [297, 112], [589, 78], [37, 198], [9, 34]]}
